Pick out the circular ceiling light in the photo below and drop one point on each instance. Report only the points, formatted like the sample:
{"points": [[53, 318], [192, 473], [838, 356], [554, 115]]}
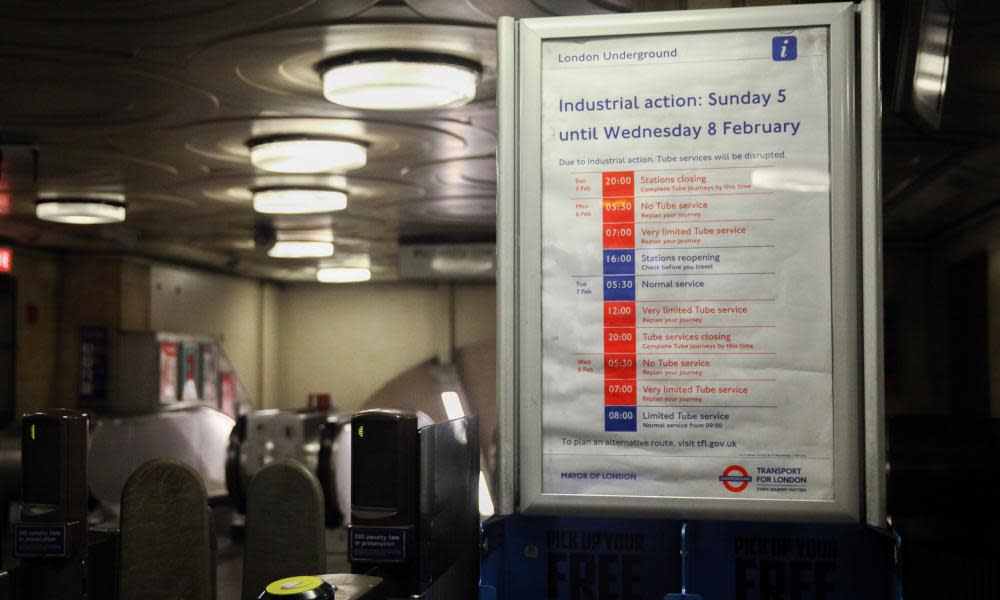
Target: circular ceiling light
{"points": [[343, 274], [281, 200], [306, 154], [300, 249], [90, 209], [399, 80]]}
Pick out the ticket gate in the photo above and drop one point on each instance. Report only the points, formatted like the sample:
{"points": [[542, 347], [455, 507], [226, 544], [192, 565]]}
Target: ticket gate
{"points": [[414, 529], [166, 537], [285, 532], [414, 517], [60, 556], [266, 436], [50, 537]]}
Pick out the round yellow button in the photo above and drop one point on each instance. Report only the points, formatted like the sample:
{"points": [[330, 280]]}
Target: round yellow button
{"points": [[293, 585]]}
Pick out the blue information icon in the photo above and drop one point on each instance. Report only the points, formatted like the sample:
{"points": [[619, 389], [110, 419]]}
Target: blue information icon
{"points": [[619, 418], [784, 47], [619, 262], [619, 288]]}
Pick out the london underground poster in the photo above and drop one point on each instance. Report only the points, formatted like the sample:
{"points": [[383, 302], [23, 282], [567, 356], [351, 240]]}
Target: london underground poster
{"points": [[686, 286]]}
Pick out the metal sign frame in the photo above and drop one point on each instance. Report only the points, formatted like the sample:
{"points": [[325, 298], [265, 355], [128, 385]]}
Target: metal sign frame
{"points": [[855, 268]]}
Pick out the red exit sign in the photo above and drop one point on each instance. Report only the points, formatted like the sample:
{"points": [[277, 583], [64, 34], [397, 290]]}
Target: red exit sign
{"points": [[6, 260]]}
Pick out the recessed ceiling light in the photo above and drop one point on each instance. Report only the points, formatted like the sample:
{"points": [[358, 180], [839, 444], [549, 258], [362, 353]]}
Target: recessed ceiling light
{"points": [[89, 209], [306, 154], [300, 249], [343, 274], [281, 200], [399, 80]]}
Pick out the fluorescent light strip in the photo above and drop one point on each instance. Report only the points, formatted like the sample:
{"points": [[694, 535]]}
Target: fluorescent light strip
{"points": [[300, 249], [343, 274], [452, 405], [486, 508]]}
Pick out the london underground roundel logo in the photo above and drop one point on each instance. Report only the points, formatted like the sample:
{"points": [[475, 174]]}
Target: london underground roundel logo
{"points": [[735, 478]]}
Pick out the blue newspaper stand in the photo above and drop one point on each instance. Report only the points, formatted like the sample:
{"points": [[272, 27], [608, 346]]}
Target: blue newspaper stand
{"points": [[630, 559]]}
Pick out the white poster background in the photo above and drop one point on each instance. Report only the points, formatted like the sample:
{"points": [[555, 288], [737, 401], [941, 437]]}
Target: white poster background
{"points": [[773, 267]]}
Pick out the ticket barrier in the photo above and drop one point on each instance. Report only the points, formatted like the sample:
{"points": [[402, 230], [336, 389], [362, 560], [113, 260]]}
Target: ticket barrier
{"points": [[265, 436], [285, 533], [414, 529], [57, 554], [166, 538], [414, 503], [50, 536]]}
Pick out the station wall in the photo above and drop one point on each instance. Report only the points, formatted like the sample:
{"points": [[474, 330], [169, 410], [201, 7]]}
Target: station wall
{"points": [[292, 340], [349, 341], [36, 327], [913, 376], [241, 313], [475, 314], [943, 322], [978, 239]]}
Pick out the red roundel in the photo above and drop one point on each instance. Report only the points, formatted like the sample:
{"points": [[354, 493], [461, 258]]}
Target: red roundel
{"points": [[735, 478]]}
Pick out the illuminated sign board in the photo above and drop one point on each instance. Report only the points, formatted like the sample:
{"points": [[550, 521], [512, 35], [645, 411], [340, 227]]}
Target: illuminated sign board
{"points": [[6, 260]]}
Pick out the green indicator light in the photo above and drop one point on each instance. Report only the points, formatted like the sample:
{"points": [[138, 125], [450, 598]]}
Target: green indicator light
{"points": [[32, 431], [361, 431]]}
